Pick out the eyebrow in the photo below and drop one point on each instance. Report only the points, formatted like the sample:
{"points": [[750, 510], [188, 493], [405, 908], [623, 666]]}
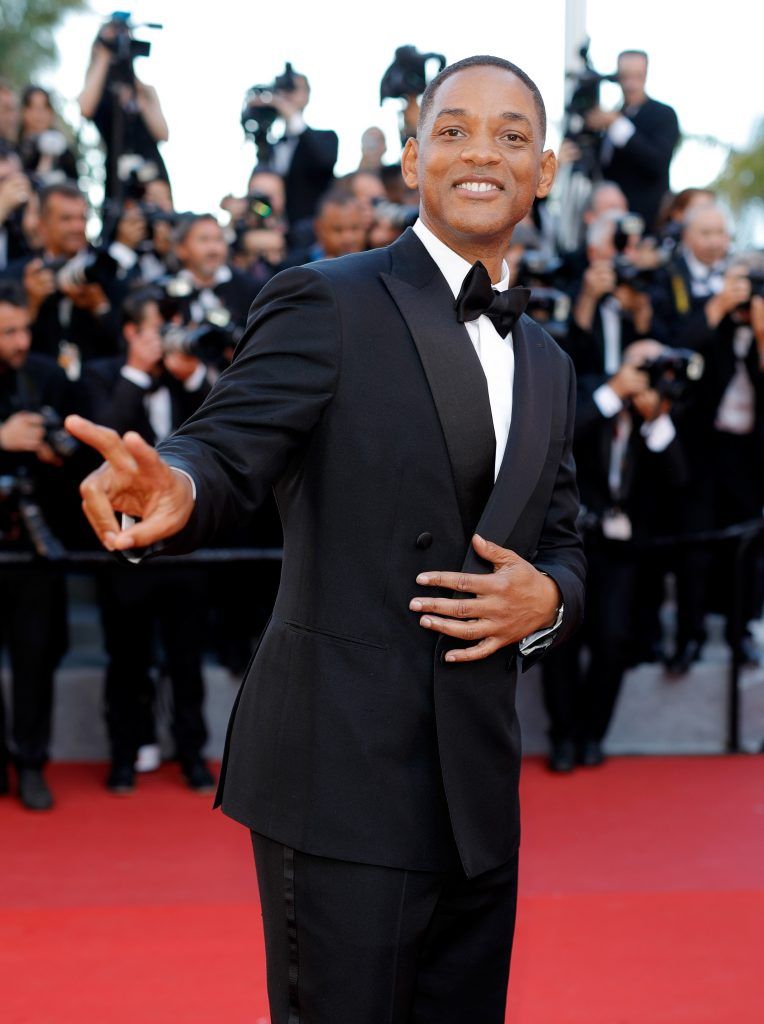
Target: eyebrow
{"points": [[507, 115]]}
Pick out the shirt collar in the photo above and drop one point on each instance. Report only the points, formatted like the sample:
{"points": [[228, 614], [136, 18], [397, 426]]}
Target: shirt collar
{"points": [[698, 270], [451, 265], [222, 276]]}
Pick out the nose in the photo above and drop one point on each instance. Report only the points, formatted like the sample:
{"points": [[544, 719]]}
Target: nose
{"points": [[481, 150]]}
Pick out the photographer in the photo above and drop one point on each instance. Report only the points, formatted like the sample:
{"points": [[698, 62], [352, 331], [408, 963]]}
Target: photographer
{"points": [[15, 193], [630, 467], [338, 226], [612, 307], [303, 156], [32, 600], [9, 113], [43, 147], [638, 140], [209, 282], [73, 315], [124, 109], [151, 391]]}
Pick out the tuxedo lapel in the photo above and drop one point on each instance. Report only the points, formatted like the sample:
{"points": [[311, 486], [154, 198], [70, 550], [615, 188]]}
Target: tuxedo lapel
{"points": [[453, 372], [528, 442]]}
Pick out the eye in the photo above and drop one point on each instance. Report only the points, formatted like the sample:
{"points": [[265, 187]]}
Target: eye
{"points": [[452, 133], [514, 137]]}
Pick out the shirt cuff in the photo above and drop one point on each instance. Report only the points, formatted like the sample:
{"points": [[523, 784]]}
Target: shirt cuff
{"points": [[295, 125], [659, 433], [138, 377], [607, 401], [620, 131], [542, 637], [123, 254], [195, 381]]}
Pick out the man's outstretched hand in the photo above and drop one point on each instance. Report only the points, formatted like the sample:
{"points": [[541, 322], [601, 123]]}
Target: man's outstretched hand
{"points": [[133, 480], [510, 603]]}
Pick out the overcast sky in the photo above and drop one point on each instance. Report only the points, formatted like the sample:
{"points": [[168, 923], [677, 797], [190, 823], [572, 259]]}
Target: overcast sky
{"points": [[705, 61]]}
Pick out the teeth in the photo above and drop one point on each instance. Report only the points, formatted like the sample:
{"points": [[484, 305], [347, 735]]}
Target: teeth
{"points": [[478, 186]]}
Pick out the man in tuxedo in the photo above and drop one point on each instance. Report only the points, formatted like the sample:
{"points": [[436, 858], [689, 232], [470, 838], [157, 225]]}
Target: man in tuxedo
{"points": [[150, 392], [638, 140], [303, 156], [417, 429]]}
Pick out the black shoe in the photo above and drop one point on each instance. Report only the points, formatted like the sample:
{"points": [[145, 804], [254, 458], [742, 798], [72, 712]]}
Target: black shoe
{"points": [[121, 778], [33, 790], [563, 757], [198, 776], [590, 754], [682, 659]]}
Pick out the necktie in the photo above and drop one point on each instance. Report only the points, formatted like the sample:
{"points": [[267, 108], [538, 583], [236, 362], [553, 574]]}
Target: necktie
{"points": [[477, 298]]}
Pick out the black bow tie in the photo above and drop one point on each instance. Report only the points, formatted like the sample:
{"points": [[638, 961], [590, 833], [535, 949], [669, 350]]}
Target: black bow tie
{"points": [[477, 297]]}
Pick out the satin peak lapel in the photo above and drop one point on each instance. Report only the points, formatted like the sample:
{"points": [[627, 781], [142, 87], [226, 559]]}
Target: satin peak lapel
{"points": [[453, 372], [528, 442]]}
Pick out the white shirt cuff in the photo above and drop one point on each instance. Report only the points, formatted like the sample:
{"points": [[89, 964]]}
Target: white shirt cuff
{"points": [[138, 377], [196, 380], [659, 433], [532, 643], [620, 131], [123, 254], [607, 401], [295, 125]]}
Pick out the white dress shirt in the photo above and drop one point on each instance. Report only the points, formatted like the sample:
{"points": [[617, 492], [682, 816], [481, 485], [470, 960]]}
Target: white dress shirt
{"points": [[496, 354]]}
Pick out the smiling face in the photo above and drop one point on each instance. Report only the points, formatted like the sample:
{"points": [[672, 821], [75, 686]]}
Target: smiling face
{"points": [[479, 159]]}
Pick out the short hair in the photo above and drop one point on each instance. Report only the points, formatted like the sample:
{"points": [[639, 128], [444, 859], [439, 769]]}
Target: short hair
{"points": [[12, 293], [337, 196], [481, 61], [134, 306], [633, 53], [187, 222], [67, 189], [29, 92]]}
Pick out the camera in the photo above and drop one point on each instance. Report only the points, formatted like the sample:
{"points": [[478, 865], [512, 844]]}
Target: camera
{"points": [[407, 75], [548, 305], [59, 440], [257, 118], [92, 266], [673, 370], [21, 515], [397, 214], [212, 340], [124, 48], [584, 96]]}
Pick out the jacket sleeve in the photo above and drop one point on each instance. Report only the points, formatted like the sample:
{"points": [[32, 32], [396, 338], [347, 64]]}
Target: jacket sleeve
{"points": [[263, 408], [651, 150]]}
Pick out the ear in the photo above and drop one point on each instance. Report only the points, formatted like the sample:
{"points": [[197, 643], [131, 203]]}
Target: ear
{"points": [[410, 163], [548, 171]]}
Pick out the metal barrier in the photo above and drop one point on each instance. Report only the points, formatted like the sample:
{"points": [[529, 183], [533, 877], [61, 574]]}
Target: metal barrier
{"points": [[745, 534]]}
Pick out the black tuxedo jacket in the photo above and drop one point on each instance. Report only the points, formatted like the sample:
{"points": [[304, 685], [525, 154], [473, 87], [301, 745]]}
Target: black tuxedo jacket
{"points": [[310, 172], [358, 396], [117, 402], [641, 167]]}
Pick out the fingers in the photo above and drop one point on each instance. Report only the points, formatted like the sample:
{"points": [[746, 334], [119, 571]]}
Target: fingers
{"points": [[477, 652], [153, 528], [145, 457], [106, 442], [494, 553], [97, 506], [469, 608], [474, 629], [466, 582]]}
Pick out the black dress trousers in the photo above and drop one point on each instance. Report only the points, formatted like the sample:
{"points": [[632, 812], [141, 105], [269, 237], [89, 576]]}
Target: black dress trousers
{"points": [[361, 944]]}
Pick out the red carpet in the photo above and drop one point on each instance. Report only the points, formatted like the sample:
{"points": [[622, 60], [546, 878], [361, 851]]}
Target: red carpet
{"points": [[642, 901]]}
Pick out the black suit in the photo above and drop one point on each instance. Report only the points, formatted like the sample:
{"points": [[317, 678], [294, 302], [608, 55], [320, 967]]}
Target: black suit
{"points": [[641, 166], [133, 603], [357, 395], [310, 173]]}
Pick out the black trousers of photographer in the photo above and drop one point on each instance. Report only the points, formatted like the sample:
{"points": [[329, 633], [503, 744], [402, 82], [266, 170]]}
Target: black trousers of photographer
{"points": [[140, 605], [34, 633], [580, 698]]}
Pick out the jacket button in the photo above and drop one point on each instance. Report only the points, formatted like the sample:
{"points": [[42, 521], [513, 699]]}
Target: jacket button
{"points": [[423, 541]]}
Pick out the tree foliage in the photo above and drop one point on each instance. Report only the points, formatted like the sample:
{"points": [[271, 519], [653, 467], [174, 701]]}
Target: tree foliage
{"points": [[27, 30], [742, 179]]}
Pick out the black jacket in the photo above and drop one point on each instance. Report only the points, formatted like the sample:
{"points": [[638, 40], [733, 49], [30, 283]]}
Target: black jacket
{"points": [[641, 167], [310, 172], [358, 396], [119, 403]]}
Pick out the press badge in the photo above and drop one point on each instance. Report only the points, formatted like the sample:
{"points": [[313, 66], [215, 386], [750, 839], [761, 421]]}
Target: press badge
{"points": [[616, 525]]}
